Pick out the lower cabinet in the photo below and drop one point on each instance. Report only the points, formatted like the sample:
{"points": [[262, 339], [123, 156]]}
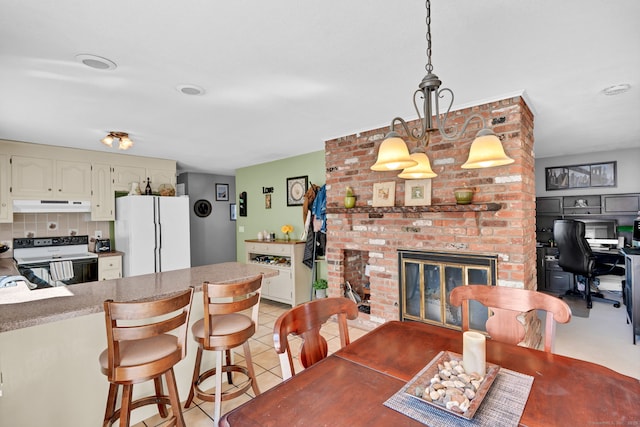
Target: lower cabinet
{"points": [[551, 277], [110, 266], [292, 285]]}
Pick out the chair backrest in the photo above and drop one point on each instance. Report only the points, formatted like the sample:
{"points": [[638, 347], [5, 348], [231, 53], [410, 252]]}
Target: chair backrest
{"points": [[227, 298], [507, 304], [575, 254], [305, 321], [131, 321]]}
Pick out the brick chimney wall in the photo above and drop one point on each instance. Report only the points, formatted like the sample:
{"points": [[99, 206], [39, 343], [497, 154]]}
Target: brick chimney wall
{"points": [[508, 232]]}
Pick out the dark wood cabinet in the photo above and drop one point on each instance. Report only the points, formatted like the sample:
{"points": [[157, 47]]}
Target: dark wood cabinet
{"points": [[627, 204], [549, 206], [551, 277]]}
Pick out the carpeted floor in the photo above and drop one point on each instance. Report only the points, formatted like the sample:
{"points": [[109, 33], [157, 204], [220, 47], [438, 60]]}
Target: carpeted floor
{"points": [[578, 306]]}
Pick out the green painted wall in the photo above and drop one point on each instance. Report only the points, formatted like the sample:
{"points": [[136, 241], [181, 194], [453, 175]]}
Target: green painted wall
{"points": [[274, 174]]}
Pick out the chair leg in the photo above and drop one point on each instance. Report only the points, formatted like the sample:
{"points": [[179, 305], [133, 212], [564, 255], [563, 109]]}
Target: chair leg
{"points": [[196, 374], [111, 404], [218, 382], [125, 408], [174, 398], [228, 363], [247, 358], [587, 292], [162, 408]]}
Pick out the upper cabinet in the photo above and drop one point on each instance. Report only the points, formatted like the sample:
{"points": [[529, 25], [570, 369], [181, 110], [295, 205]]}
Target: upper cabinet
{"points": [[40, 177], [628, 204], [33, 171], [102, 198], [6, 212], [124, 176]]}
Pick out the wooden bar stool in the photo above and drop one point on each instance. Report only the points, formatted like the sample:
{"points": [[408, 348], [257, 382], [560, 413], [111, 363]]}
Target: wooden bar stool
{"points": [[139, 348], [223, 328]]}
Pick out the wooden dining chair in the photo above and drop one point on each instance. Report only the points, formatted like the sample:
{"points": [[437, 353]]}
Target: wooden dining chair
{"points": [[140, 348], [506, 305], [305, 322], [223, 328]]}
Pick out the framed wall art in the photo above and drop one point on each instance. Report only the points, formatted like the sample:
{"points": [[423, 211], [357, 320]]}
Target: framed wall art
{"points": [[222, 192], [417, 192], [296, 189], [581, 176], [232, 212], [384, 194]]}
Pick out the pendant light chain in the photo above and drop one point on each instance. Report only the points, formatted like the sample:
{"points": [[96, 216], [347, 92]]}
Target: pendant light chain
{"points": [[428, 67]]}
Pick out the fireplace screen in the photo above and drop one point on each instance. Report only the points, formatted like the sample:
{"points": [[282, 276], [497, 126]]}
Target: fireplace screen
{"points": [[427, 278]]}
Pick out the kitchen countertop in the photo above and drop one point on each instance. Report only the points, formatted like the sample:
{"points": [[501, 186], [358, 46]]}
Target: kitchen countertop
{"points": [[89, 297]]}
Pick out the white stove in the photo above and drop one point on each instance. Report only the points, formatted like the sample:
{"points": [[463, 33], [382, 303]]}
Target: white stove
{"points": [[35, 258]]}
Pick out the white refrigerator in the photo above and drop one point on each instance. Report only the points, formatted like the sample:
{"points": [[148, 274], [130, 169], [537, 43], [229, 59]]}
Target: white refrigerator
{"points": [[153, 233]]}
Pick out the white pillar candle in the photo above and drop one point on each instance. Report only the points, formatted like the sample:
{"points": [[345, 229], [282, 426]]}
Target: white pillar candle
{"points": [[474, 352]]}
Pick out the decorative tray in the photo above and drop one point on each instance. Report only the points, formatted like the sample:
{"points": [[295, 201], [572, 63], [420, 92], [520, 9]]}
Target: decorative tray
{"points": [[466, 391]]}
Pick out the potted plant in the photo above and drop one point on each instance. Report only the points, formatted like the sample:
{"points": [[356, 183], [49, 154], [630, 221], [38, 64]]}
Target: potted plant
{"points": [[349, 198], [320, 286]]}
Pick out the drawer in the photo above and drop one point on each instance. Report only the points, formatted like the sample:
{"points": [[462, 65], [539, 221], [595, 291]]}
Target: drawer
{"points": [[269, 248], [559, 281], [552, 265]]}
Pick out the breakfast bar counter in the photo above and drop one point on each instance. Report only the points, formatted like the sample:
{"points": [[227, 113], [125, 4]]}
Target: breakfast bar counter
{"points": [[49, 346], [50, 305]]}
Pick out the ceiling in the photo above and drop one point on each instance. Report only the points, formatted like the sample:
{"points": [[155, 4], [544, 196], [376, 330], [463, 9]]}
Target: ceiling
{"points": [[282, 76]]}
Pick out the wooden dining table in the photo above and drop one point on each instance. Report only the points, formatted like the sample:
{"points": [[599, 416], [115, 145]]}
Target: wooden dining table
{"points": [[349, 388]]}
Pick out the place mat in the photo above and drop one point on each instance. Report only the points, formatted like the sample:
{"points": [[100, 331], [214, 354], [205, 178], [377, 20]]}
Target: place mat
{"points": [[502, 406]]}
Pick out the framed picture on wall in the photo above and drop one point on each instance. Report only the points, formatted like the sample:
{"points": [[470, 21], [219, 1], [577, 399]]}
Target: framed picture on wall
{"points": [[232, 212], [296, 189], [384, 193], [222, 192], [581, 176], [417, 192]]}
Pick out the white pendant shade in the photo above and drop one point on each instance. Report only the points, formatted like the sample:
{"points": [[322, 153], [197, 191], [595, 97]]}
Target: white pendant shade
{"points": [[393, 154], [420, 171], [107, 140], [486, 151]]}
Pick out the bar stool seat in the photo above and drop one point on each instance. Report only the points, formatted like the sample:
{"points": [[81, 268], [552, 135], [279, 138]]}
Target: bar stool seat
{"points": [[225, 326], [141, 349]]}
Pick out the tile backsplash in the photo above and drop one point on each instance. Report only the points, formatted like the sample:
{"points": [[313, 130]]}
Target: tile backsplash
{"points": [[50, 225]]}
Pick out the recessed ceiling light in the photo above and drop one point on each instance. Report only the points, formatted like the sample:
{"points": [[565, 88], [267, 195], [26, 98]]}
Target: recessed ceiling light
{"points": [[616, 89], [190, 90], [97, 62]]}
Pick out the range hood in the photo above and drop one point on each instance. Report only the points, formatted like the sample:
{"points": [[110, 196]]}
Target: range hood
{"points": [[36, 206]]}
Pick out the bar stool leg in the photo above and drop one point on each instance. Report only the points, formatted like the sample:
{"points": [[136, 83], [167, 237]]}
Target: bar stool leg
{"points": [[125, 408], [173, 398], [196, 374], [111, 404], [218, 398], [162, 408]]}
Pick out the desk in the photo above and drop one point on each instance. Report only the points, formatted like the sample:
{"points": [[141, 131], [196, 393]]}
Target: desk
{"points": [[349, 387]]}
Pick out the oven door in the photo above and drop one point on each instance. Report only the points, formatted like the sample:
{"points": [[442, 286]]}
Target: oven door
{"points": [[39, 274]]}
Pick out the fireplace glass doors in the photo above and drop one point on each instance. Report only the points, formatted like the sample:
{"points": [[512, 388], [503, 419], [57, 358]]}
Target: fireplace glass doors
{"points": [[427, 278]]}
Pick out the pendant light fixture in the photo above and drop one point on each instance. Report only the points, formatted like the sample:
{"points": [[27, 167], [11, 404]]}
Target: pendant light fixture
{"points": [[486, 150], [124, 143]]}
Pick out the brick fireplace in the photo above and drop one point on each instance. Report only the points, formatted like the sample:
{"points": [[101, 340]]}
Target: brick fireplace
{"points": [[500, 221]]}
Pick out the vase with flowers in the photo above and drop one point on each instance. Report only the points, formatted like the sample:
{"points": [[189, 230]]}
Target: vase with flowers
{"points": [[287, 229]]}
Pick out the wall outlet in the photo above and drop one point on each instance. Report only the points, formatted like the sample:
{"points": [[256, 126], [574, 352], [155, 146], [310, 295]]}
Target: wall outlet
{"points": [[241, 229], [98, 234]]}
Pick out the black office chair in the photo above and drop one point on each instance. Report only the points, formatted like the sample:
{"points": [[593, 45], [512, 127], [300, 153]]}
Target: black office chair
{"points": [[575, 256]]}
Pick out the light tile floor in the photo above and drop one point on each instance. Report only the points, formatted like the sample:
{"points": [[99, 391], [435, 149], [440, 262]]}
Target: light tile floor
{"points": [[603, 338]]}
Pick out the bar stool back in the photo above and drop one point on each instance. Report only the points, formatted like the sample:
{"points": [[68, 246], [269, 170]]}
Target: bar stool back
{"points": [[226, 325], [140, 348]]}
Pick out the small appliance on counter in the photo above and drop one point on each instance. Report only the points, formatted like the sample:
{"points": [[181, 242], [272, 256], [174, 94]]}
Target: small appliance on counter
{"points": [[103, 245]]}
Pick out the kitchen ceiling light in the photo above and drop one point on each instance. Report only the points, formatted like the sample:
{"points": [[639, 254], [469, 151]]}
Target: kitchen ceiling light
{"points": [[394, 154], [190, 90], [124, 141], [97, 62]]}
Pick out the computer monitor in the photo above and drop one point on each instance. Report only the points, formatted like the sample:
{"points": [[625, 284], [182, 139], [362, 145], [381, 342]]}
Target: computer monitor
{"points": [[599, 232]]}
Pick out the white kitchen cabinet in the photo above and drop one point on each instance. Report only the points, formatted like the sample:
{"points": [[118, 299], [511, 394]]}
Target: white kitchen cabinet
{"points": [[293, 283], [34, 177], [6, 210], [123, 176], [159, 177], [110, 266], [102, 196]]}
